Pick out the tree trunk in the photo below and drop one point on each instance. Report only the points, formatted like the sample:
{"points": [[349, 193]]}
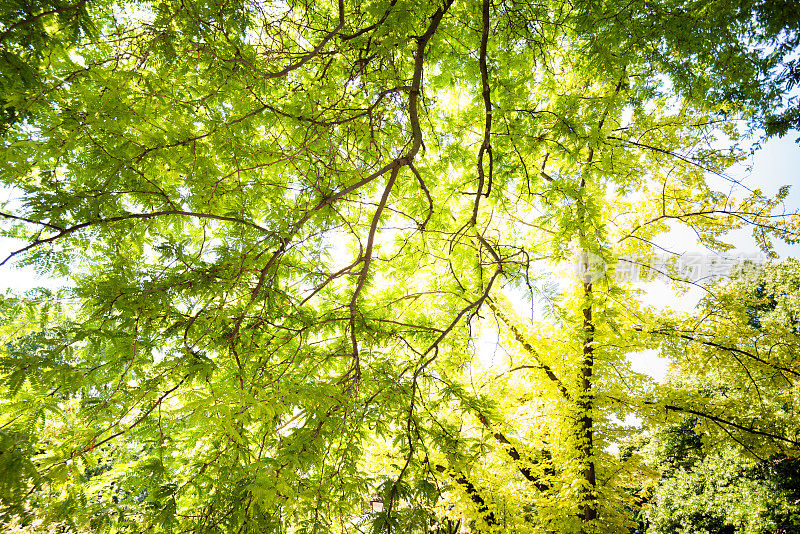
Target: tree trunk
{"points": [[588, 500]]}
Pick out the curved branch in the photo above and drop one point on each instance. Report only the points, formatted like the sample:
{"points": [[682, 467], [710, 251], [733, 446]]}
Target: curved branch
{"points": [[486, 146], [394, 166], [362, 277], [372, 26], [720, 420], [734, 350], [308, 57], [131, 216]]}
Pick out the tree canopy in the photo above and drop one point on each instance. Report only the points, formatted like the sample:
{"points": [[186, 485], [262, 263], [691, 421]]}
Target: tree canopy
{"points": [[282, 222]]}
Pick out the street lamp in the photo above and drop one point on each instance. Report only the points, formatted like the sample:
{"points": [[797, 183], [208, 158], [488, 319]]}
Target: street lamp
{"points": [[376, 501]]}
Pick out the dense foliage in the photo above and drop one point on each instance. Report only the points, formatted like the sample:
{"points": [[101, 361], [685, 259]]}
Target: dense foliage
{"points": [[281, 224], [735, 358]]}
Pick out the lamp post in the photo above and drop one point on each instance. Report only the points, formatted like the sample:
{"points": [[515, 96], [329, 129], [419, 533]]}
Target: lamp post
{"points": [[376, 502]]}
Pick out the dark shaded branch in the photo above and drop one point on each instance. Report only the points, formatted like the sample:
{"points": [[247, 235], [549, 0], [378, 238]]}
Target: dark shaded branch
{"points": [[585, 405], [473, 305], [486, 146], [393, 167], [734, 350], [363, 113], [472, 492], [720, 420], [308, 57], [56, 11], [367, 259], [372, 26], [666, 153], [517, 457], [396, 164], [741, 215], [31, 221], [131, 216], [520, 337], [93, 444], [427, 195], [416, 81]]}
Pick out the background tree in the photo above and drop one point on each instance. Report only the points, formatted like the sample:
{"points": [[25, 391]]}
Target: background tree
{"points": [[717, 488], [737, 359]]}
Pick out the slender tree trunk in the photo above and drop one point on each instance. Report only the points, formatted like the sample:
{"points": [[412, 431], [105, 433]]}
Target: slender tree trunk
{"points": [[585, 434], [588, 504]]}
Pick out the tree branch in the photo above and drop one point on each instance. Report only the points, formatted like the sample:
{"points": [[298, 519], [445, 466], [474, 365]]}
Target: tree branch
{"points": [[520, 337]]}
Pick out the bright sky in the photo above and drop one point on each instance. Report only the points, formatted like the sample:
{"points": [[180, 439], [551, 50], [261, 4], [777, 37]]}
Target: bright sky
{"points": [[775, 165]]}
